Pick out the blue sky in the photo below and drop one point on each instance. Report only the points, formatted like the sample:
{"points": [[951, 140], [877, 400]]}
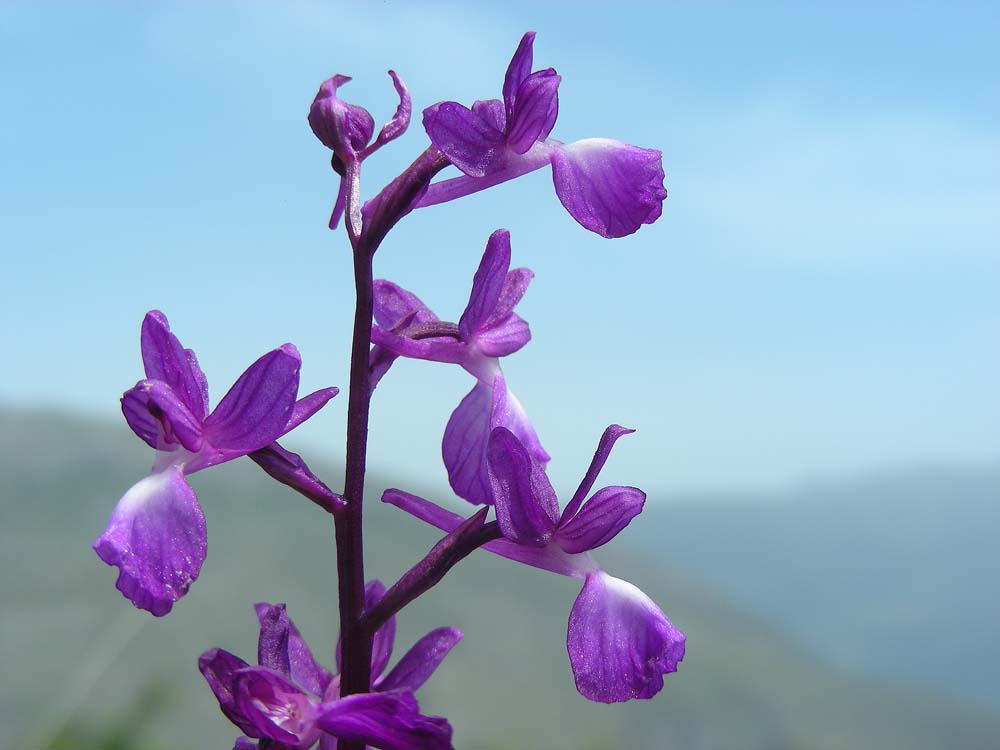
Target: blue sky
{"points": [[820, 296]]}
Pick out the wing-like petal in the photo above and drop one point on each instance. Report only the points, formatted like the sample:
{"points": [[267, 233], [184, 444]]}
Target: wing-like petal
{"points": [[525, 502], [492, 112], [438, 349], [514, 287], [272, 643], [166, 360], [606, 513], [258, 406], [419, 663], [400, 120], [505, 337], [220, 669], [609, 187], [385, 636], [385, 720], [463, 447], [508, 412], [306, 406], [487, 285], [393, 305], [535, 110], [159, 416], [601, 455], [471, 143], [282, 648], [620, 644], [276, 707], [518, 69], [156, 538]]}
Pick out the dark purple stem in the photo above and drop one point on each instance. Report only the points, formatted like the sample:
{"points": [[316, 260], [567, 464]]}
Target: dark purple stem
{"points": [[356, 645], [388, 207], [444, 555]]}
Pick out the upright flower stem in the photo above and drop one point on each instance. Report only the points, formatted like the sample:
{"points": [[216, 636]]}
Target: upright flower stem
{"points": [[356, 645], [394, 202]]}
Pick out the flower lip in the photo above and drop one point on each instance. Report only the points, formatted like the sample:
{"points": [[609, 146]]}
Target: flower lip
{"points": [[620, 644]]}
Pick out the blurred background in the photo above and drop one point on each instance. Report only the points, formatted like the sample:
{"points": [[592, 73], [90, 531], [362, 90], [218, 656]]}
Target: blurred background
{"points": [[806, 343]]}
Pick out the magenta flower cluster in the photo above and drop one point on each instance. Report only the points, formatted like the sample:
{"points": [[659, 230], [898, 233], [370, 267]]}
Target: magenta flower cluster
{"points": [[619, 642]]}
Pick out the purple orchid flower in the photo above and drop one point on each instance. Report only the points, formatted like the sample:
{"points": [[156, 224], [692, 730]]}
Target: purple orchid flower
{"points": [[609, 187], [156, 536], [620, 644], [346, 129], [290, 701], [488, 329]]}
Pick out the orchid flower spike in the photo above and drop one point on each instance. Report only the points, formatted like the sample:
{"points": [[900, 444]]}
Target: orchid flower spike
{"points": [[487, 330], [291, 701], [609, 187], [620, 643], [156, 536]]}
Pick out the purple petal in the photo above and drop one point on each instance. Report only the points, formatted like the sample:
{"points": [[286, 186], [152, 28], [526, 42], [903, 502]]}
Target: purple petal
{"points": [[471, 143], [400, 120], [257, 408], [276, 708], [220, 669], [341, 127], [272, 643], [508, 412], [487, 284], [607, 442], [492, 112], [419, 663], [385, 636], [245, 743], [289, 469], [166, 360], [338, 204], [305, 407], [525, 502], [438, 349], [609, 187], [609, 511], [282, 648], [550, 557], [620, 644], [393, 305], [514, 287], [513, 166], [463, 447], [518, 69], [504, 337], [385, 720], [466, 435], [535, 110], [156, 538], [156, 414]]}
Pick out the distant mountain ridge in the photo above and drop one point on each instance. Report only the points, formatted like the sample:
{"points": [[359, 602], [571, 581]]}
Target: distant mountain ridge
{"points": [[893, 574], [81, 663]]}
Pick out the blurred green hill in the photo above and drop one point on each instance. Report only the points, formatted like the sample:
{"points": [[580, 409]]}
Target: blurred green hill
{"points": [[82, 669], [892, 574]]}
